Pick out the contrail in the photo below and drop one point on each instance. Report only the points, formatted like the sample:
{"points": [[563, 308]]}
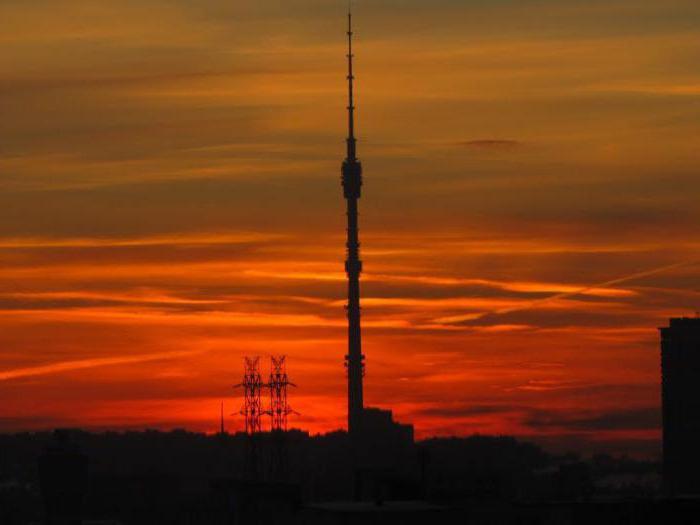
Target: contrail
{"points": [[66, 366], [565, 295]]}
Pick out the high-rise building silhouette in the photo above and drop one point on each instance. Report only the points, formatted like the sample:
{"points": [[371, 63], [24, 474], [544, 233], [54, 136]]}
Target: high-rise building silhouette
{"points": [[680, 391], [352, 183]]}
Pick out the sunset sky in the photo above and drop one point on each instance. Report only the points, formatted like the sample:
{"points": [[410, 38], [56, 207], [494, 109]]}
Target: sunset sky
{"points": [[170, 201]]}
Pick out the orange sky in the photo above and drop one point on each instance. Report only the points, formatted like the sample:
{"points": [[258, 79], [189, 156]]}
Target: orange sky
{"points": [[170, 201]]}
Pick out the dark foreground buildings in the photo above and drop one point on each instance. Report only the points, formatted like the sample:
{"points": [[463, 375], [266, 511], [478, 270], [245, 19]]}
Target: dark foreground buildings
{"points": [[680, 390], [182, 478]]}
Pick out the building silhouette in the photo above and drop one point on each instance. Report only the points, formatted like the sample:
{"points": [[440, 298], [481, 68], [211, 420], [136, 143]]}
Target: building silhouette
{"points": [[680, 391]]}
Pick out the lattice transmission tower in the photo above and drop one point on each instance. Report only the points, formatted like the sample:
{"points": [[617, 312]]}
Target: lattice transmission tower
{"points": [[252, 385], [279, 381]]}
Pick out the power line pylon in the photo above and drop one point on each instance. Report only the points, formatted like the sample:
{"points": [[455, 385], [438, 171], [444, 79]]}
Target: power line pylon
{"points": [[279, 381], [252, 385]]}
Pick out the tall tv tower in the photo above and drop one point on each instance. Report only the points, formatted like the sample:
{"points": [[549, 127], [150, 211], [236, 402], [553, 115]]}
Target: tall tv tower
{"points": [[352, 182]]}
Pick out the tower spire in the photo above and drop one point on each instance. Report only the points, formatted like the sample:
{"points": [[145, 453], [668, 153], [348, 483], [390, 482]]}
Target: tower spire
{"points": [[351, 102], [352, 183]]}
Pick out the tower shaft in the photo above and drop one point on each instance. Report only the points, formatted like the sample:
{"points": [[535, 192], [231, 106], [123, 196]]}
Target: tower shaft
{"points": [[352, 183]]}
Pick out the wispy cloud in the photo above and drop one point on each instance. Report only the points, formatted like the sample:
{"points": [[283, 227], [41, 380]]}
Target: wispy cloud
{"points": [[567, 294], [68, 366], [154, 240], [490, 144]]}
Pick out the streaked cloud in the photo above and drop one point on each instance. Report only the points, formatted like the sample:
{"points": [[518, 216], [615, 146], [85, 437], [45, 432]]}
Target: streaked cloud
{"points": [[497, 144], [183, 239], [66, 366]]}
